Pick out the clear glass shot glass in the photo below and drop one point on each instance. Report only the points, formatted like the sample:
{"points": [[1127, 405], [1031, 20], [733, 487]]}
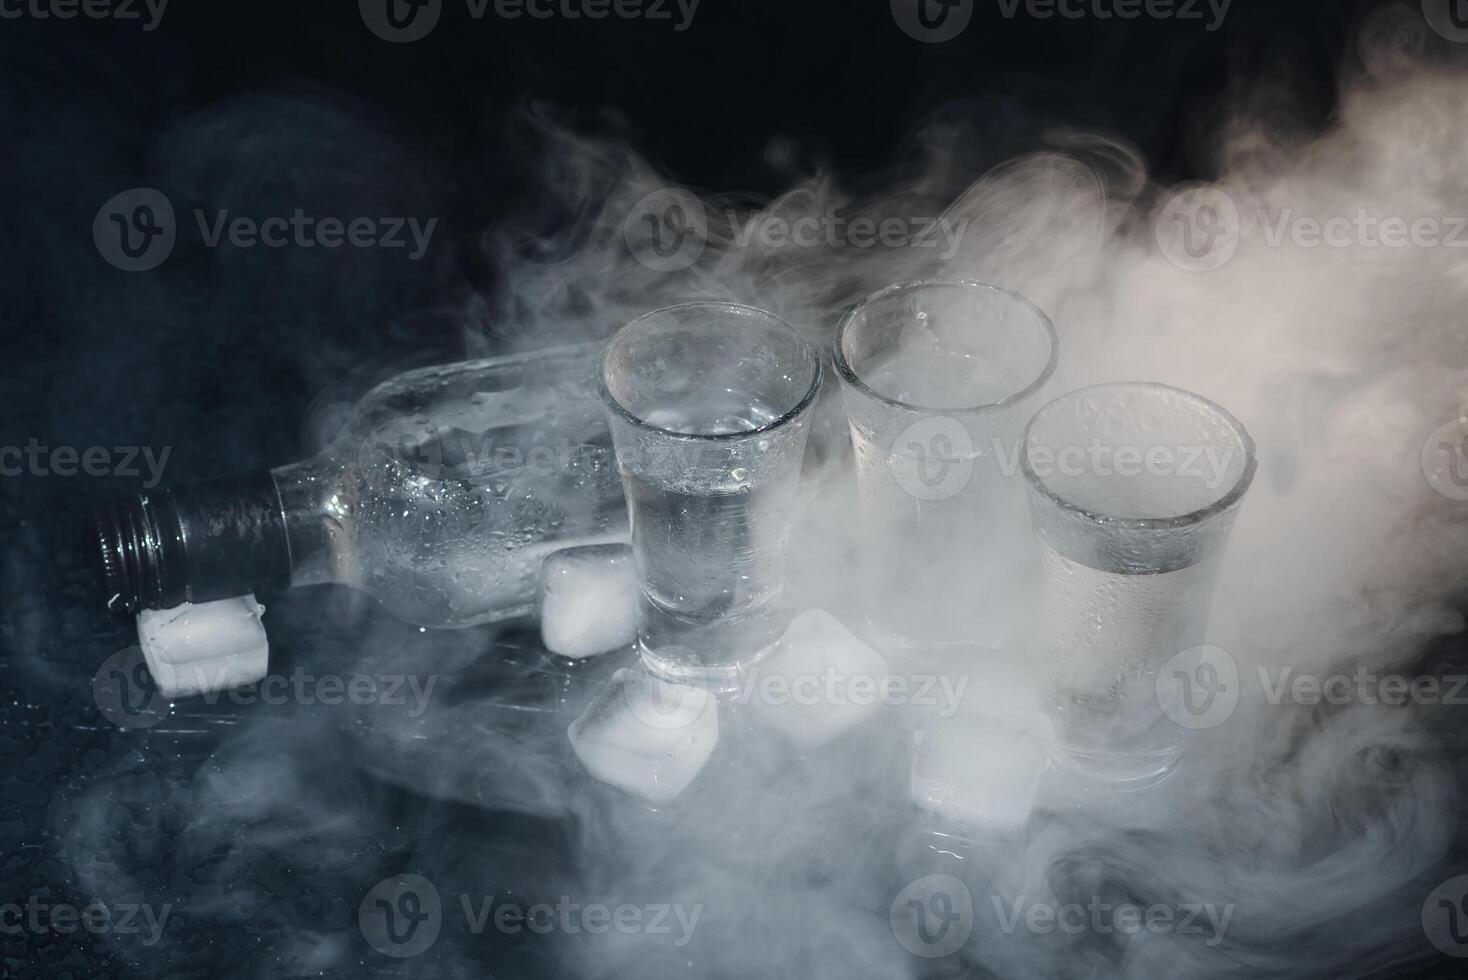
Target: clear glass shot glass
{"points": [[936, 378], [709, 406], [1133, 489]]}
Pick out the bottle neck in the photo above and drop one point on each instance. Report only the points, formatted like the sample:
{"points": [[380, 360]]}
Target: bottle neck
{"points": [[318, 517], [197, 542]]}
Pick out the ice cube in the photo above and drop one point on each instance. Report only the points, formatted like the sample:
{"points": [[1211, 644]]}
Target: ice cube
{"points": [[204, 647], [646, 736], [819, 680], [981, 766], [588, 600]]}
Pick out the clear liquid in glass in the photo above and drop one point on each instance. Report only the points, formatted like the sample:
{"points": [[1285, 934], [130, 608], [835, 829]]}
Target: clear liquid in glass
{"points": [[709, 547], [1107, 637]]}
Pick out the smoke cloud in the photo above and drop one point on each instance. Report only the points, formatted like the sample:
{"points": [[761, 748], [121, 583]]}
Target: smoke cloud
{"points": [[1297, 837]]}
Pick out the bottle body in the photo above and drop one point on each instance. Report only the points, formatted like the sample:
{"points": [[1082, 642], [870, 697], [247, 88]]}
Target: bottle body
{"points": [[440, 497]]}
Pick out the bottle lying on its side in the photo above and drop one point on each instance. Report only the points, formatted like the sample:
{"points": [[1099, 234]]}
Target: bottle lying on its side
{"points": [[440, 498]]}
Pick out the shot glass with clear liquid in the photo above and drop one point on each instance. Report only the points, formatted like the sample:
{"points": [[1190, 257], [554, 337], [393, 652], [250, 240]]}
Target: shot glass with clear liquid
{"points": [[1133, 488], [709, 406], [937, 379]]}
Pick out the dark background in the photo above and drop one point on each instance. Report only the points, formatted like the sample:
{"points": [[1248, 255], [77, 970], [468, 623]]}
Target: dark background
{"points": [[264, 107]]}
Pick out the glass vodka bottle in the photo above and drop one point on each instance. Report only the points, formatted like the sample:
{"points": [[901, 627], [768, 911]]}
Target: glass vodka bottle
{"points": [[440, 497]]}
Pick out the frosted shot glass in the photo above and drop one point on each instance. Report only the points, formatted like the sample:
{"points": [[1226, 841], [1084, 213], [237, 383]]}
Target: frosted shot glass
{"points": [[709, 406], [1133, 488], [937, 379]]}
